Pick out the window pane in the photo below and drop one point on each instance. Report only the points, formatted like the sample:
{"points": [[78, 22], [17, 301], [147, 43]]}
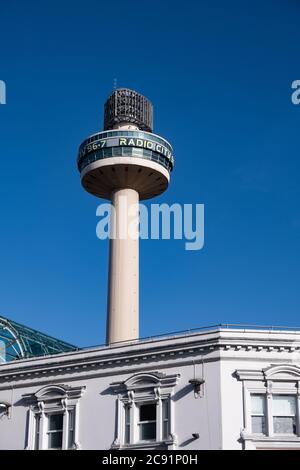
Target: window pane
{"points": [[71, 419], [127, 434], [258, 404], [37, 432], [284, 405], [148, 412], [147, 431], [71, 430], [55, 440], [55, 422], [127, 415], [71, 439], [165, 429], [117, 151], [165, 409], [127, 424], [258, 425], [284, 425]]}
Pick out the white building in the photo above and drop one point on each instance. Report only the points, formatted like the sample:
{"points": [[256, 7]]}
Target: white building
{"points": [[218, 388]]}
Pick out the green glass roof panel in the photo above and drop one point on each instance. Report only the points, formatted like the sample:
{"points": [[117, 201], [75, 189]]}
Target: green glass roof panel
{"points": [[19, 341]]}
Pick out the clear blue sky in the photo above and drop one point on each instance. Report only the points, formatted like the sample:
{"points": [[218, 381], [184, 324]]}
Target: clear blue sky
{"points": [[219, 75]]}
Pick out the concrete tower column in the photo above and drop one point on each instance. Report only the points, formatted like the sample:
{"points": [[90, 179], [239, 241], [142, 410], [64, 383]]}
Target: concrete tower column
{"points": [[123, 291]]}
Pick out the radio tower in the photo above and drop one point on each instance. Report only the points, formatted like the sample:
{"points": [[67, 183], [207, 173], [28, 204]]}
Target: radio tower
{"points": [[125, 163]]}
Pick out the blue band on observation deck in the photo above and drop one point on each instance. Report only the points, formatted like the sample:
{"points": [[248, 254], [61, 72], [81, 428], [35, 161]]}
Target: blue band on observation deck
{"points": [[110, 143]]}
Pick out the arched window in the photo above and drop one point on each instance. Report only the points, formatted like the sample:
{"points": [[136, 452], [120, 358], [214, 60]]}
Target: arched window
{"points": [[271, 406], [53, 418], [145, 411]]}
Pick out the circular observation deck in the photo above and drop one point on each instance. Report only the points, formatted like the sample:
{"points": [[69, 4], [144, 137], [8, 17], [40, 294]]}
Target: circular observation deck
{"points": [[120, 158]]}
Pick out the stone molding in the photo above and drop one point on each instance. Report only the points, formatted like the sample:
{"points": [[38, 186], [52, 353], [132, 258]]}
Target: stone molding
{"points": [[213, 345]]}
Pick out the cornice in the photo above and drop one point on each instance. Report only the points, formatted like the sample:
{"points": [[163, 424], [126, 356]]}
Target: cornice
{"points": [[211, 345]]}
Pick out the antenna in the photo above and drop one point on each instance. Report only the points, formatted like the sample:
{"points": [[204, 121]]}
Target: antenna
{"points": [[115, 84]]}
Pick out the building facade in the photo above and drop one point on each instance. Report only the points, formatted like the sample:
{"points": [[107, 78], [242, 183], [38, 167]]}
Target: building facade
{"points": [[217, 388]]}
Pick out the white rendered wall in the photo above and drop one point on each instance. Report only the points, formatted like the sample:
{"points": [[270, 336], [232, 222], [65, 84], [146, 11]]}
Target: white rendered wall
{"points": [[98, 413]]}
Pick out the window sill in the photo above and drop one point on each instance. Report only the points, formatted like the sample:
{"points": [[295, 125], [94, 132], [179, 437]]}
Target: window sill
{"points": [[145, 445], [275, 438]]}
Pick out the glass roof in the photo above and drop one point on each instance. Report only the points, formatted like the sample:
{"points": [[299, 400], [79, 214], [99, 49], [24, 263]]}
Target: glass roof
{"points": [[18, 342]]}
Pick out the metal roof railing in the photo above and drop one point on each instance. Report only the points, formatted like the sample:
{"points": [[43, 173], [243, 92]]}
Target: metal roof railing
{"points": [[207, 328]]}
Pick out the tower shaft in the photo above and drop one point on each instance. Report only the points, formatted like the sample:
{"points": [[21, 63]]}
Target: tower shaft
{"points": [[123, 291]]}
